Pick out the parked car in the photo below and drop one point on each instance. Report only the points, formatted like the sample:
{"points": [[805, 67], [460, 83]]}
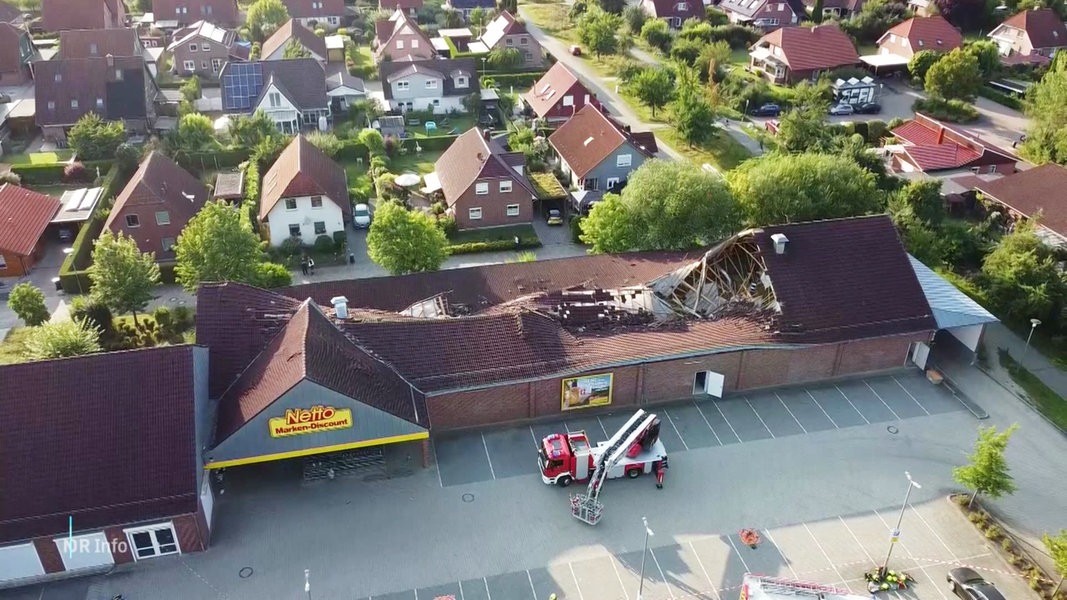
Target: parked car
{"points": [[767, 110], [969, 585], [842, 110], [576, 50], [868, 108], [361, 216], [555, 217]]}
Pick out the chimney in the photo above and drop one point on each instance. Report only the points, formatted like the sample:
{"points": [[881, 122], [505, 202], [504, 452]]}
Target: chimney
{"points": [[940, 134], [340, 306], [780, 241]]}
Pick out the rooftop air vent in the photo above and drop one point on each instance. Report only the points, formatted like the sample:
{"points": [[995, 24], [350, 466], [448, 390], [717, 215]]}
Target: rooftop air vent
{"points": [[780, 241]]}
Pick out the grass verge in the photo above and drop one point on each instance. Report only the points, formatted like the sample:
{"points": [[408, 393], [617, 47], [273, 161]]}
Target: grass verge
{"points": [[721, 151], [12, 346], [553, 20], [1051, 404]]}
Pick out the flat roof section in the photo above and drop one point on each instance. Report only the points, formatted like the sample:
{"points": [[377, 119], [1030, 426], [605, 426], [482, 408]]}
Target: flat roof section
{"points": [[78, 205]]}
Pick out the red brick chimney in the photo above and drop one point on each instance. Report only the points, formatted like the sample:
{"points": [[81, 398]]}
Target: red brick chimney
{"points": [[940, 134]]}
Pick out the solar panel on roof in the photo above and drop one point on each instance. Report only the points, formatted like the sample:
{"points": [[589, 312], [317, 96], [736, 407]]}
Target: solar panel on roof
{"points": [[240, 85]]}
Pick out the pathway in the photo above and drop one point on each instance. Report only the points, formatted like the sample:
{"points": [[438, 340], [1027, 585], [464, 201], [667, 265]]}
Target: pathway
{"points": [[997, 335]]}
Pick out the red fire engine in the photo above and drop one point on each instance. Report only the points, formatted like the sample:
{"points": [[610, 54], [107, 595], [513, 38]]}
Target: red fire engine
{"points": [[633, 450]]}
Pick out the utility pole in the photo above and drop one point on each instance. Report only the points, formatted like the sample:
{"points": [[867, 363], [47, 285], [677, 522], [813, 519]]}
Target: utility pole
{"points": [[648, 534], [894, 535]]}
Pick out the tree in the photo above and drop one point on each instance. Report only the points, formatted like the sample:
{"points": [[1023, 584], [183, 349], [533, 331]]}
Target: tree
{"points": [[666, 205], [191, 90], [217, 246], [93, 139], [404, 241], [921, 62], [816, 12], [123, 277], [372, 139], [27, 302], [965, 14], [264, 16], [1021, 276], [127, 157], [505, 58], [687, 51], [1057, 549], [248, 131], [510, 6], [711, 62], [955, 76], [692, 110], [635, 17], [1046, 105], [656, 33], [921, 199], [782, 188], [597, 30], [988, 471], [988, 56], [61, 339], [653, 87], [295, 49], [195, 132], [614, 7], [478, 19], [803, 130]]}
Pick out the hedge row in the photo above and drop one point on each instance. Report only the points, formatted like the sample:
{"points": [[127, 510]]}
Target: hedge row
{"points": [[519, 80], [177, 84], [73, 276], [1013, 102], [53, 173], [219, 159], [494, 246], [953, 111]]}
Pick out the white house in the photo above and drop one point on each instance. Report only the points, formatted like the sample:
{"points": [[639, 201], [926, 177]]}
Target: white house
{"points": [[304, 195], [436, 84]]}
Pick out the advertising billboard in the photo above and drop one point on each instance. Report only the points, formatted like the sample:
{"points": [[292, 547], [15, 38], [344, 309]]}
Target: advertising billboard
{"points": [[587, 391]]}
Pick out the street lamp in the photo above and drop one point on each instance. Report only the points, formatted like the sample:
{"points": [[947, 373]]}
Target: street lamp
{"points": [[68, 252], [648, 534], [895, 534], [1033, 325], [307, 582]]}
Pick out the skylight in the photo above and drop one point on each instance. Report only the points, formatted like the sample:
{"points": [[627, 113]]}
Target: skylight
{"points": [[588, 140]]}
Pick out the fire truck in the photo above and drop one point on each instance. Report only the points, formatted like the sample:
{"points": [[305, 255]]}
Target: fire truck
{"points": [[633, 450], [758, 587]]}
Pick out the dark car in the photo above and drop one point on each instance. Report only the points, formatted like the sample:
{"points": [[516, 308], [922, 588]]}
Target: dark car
{"points": [[969, 585], [869, 108], [767, 110]]}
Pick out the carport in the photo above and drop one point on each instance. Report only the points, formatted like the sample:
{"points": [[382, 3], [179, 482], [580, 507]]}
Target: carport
{"points": [[954, 311], [885, 62]]}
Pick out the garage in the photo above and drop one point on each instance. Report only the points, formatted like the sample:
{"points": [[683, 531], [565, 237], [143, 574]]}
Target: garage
{"points": [[19, 562], [955, 312]]}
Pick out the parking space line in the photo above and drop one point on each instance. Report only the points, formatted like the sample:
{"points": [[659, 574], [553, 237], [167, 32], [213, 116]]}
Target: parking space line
{"points": [[675, 427], [757, 416], [708, 423], [911, 556], [437, 463], [840, 577], [576, 584], [461, 591], [537, 443], [602, 428], [705, 571], [779, 551], [895, 415], [933, 531], [486, 582], [533, 590], [821, 408], [661, 575], [910, 396], [856, 539], [416, 593], [849, 400], [487, 457], [615, 568], [727, 422], [738, 553], [790, 412]]}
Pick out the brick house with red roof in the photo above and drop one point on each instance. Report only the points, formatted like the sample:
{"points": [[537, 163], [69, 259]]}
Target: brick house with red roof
{"points": [[767, 15], [315, 14], [918, 34], [793, 54], [483, 184], [674, 12], [929, 146], [1034, 193], [558, 95], [182, 13], [60, 15], [304, 195], [1038, 32], [16, 53], [107, 463], [24, 216], [596, 153], [411, 7]]}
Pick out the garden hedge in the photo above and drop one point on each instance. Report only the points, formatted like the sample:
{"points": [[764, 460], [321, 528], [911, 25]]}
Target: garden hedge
{"points": [[1012, 102], [494, 246], [519, 80], [219, 159], [53, 173]]}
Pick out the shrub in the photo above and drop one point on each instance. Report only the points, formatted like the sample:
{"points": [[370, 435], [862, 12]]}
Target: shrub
{"points": [[894, 123], [94, 313], [273, 275], [953, 111], [183, 317], [1012, 102], [493, 246], [993, 532], [27, 302], [327, 142], [291, 246], [61, 339], [876, 130], [75, 172], [10, 177], [162, 317], [738, 36], [447, 225], [127, 156], [391, 144], [576, 229], [324, 244]]}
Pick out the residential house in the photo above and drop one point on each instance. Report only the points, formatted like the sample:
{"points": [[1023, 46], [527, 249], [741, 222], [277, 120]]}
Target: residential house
{"points": [[291, 92], [484, 185], [1034, 193], [466, 6], [793, 54], [202, 49], [558, 95], [99, 43], [916, 34], [16, 53], [25, 215], [596, 153], [293, 32], [931, 147], [171, 14], [767, 15], [505, 31], [836, 9], [60, 15], [156, 204], [304, 195], [674, 12], [410, 7], [436, 84], [399, 39], [342, 88], [1038, 32], [327, 14]]}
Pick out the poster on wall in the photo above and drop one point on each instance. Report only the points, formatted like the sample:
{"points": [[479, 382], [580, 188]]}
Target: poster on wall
{"points": [[587, 391]]}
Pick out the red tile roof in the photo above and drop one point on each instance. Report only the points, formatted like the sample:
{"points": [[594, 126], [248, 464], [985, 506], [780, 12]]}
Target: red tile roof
{"points": [[222, 12], [1038, 190], [80, 43], [107, 438], [934, 146], [927, 33], [24, 215], [663, 9], [304, 170], [11, 39], [939, 157], [391, 5], [810, 48], [1042, 25], [58, 15], [292, 30], [95, 85], [550, 89], [588, 138], [303, 9], [471, 157]]}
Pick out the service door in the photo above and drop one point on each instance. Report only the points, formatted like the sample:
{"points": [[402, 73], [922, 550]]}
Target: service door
{"points": [[19, 562], [920, 353]]}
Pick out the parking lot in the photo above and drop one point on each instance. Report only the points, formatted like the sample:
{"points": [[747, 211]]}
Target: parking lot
{"points": [[833, 552], [707, 423]]}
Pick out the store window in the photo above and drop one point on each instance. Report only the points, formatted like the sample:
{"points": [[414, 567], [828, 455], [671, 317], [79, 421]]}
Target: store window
{"points": [[149, 542]]}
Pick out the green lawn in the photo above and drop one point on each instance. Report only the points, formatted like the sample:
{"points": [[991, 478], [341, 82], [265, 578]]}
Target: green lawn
{"points": [[740, 57], [38, 158], [553, 20], [1051, 404], [11, 346], [722, 151], [445, 123], [416, 163]]}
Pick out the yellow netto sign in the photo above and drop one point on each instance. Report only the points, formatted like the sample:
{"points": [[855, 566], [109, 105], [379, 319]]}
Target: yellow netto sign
{"points": [[298, 421]]}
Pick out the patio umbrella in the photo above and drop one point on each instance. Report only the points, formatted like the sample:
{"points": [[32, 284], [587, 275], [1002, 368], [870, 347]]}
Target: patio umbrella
{"points": [[407, 179]]}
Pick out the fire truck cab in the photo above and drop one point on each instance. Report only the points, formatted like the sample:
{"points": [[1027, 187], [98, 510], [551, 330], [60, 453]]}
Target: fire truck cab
{"points": [[568, 457]]}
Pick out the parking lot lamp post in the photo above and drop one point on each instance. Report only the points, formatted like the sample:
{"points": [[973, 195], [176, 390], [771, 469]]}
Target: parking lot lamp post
{"points": [[895, 534], [68, 252], [648, 534], [1033, 325], [307, 582]]}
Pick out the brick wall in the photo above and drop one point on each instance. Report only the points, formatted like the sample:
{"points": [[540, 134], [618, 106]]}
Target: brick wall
{"points": [[120, 546], [877, 354], [48, 552], [479, 407], [673, 379], [189, 535]]}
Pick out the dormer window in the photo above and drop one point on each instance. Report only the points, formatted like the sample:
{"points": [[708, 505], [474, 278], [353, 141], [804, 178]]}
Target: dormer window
{"points": [[461, 81]]}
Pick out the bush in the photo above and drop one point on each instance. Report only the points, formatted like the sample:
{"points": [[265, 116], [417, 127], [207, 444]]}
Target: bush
{"points": [[94, 313], [273, 275], [391, 145], [291, 246], [953, 111], [127, 157], [738, 36], [75, 172], [1001, 98], [447, 225], [876, 130], [182, 317], [27, 302], [10, 177], [324, 244], [493, 246], [576, 229], [61, 339], [517, 80]]}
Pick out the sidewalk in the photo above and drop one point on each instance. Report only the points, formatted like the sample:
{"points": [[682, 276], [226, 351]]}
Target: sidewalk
{"points": [[998, 336]]}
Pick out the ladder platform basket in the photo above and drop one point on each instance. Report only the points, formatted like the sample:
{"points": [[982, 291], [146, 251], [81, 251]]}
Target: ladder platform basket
{"points": [[586, 508]]}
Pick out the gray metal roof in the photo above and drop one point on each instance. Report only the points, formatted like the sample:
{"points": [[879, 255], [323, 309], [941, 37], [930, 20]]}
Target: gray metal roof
{"points": [[951, 307]]}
